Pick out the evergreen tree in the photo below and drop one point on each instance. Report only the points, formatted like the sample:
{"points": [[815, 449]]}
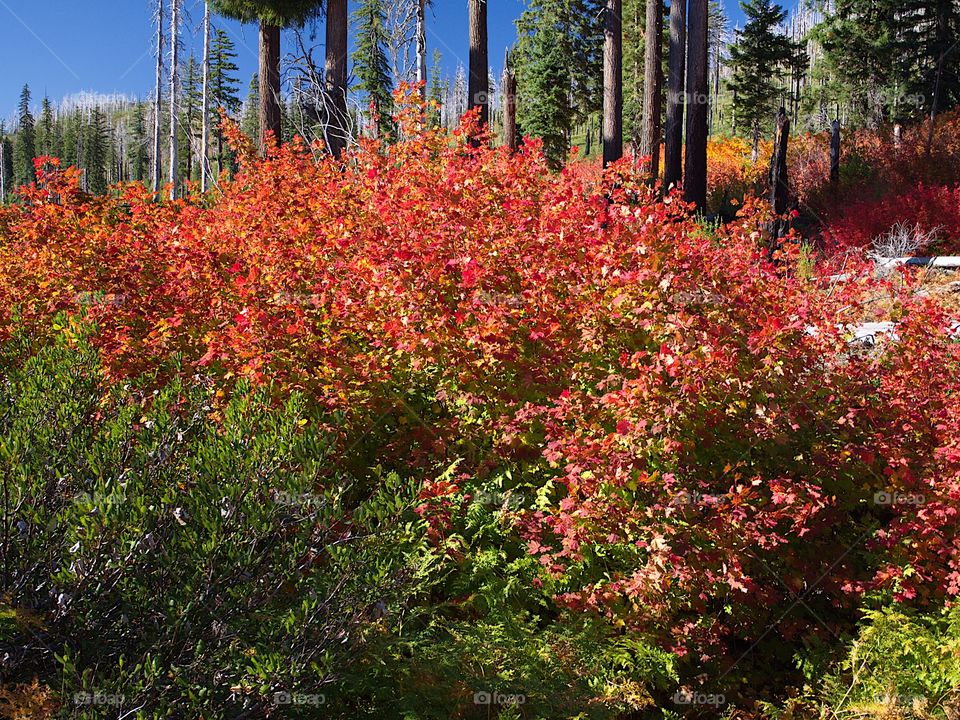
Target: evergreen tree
{"points": [[272, 16], [437, 91], [862, 42], [6, 163], [371, 63], [559, 69], [95, 152], [25, 149], [224, 96], [757, 58], [139, 152], [250, 123], [47, 144], [190, 123]]}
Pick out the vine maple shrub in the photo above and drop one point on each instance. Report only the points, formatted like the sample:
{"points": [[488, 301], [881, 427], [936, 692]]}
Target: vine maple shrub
{"points": [[696, 439]]}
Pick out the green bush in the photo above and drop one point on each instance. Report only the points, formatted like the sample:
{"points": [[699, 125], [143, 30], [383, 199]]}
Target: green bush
{"points": [[181, 553]]}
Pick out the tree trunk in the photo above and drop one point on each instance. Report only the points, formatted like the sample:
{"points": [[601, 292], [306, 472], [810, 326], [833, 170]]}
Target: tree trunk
{"points": [[835, 152], [695, 185], [673, 147], [336, 77], [510, 139], [422, 48], [612, 83], [779, 182], [157, 105], [269, 86], [478, 93], [205, 132], [652, 86], [174, 82]]}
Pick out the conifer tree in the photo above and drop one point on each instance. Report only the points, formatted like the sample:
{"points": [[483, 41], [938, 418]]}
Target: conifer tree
{"points": [[250, 123], [47, 144], [139, 154], [371, 63], [25, 149], [224, 96], [272, 15], [6, 164], [95, 152], [758, 58]]}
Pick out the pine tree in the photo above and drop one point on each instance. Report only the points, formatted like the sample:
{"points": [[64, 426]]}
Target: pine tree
{"points": [[47, 144], [224, 95], [95, 152], [272, 15], [371, 64], [758, 58], [139, 154], [25, 149], [558, 63], [190, 124], [250, 123], [437, 88], [6, 164]]}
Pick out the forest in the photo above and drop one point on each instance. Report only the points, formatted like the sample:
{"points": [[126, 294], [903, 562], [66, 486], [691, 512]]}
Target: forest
{"points": [[614, 379]]}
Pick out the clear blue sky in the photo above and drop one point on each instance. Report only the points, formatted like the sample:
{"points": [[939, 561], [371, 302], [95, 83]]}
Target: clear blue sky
{"points": [[61, 47]]}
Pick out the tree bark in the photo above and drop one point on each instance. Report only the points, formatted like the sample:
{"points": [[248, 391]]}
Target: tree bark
{"points": [[652, 86], [174, 82], [835, 152], [673, 147], [612, 82], [779, 182], [336, 77], [510, 139], [695, 185], [422, 48], [205, 132], [269, 86], [478, 93], [157, 105]]}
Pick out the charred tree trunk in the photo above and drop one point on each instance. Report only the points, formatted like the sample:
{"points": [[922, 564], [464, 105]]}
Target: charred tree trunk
{"points": [[510, 139], [335, 73], [779, 182], [270, 129], [612, 83], [479, 83], [652, 86], [695, 185], [673, 147]]}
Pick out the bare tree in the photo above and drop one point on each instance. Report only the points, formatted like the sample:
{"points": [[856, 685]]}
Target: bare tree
{"points": [[509, 104], [205, 132], [174, 87], [673, 146], [158, 102], [612, 82], [422, 48]]}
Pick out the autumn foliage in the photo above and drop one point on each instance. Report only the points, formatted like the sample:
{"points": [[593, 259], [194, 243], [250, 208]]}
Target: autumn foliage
{"points": [[702, 451]]}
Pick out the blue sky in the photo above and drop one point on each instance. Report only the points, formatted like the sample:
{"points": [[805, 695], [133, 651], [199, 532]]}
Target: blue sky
{"points": [[62, 47]]}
